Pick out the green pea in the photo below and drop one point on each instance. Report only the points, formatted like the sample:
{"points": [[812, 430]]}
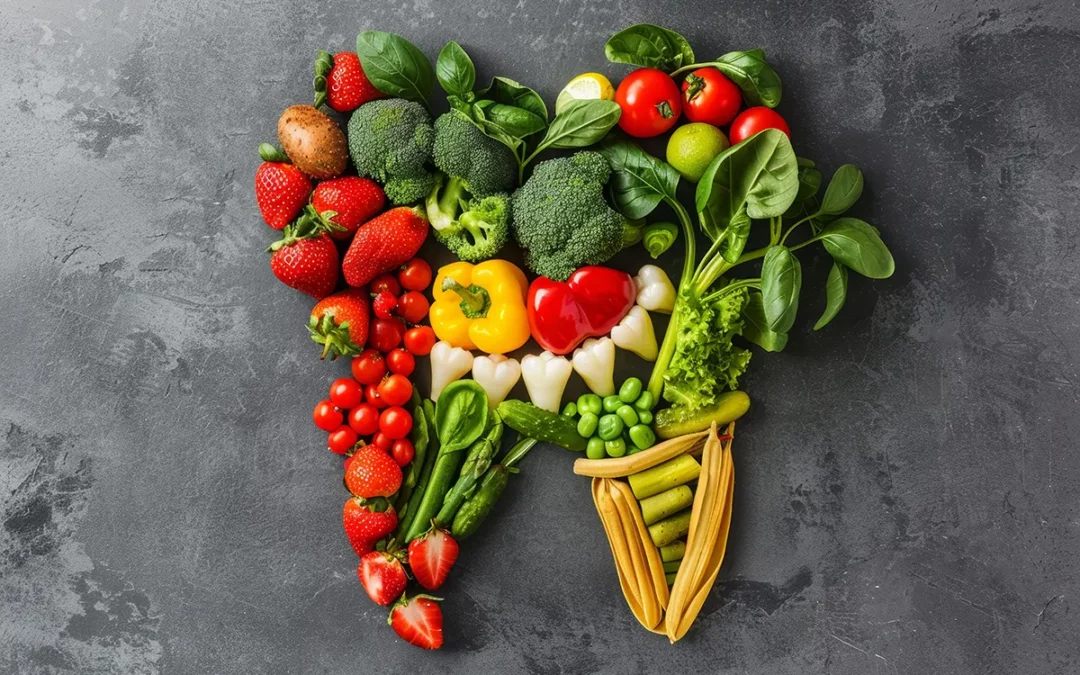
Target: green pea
{"points": [[595, 448], [632, 449], [630, 390], [645, 417], [645, 402], [586, 426], [612, 403], [610, 427], [627, 415], [615, 448], [642, 436], [590, 403], [570, 410]]}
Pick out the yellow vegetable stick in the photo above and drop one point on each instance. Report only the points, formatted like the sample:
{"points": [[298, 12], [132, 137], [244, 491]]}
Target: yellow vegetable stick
{"points": [[609, 517], [646, 459], [652, 554], [652, 612]]}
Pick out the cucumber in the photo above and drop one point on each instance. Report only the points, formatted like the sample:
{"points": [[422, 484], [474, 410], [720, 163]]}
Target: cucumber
{"points": [[549, 427], [674, 421], [479, 506]]}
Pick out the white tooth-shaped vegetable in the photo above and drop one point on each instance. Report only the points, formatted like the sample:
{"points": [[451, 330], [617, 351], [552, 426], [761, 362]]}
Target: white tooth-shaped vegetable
{"points": [[594, 361], [635, 334], [545, 377], [497, 374], [447, 364], [655, 292]]}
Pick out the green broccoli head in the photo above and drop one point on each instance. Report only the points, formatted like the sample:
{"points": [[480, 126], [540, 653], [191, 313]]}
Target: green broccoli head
{"points": [[562, 220], [473, 228], [462, 150], [390, 140]]}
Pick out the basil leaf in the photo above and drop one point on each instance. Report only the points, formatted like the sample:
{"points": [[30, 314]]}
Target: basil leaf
{"points": [[510, 120], [756, 329], [461, 415], [738, 231], [479, 118], [857, 245], [835, 294], [781, 281], [844, 190], [760, 174], [809, 183], [581, 123], [759, 83], [505, 90], [650, 46], [639, 181], [395, 66], [455, 70]]}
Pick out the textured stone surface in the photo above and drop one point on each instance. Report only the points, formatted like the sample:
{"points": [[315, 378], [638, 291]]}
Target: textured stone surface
{"points": [[907, 483]]}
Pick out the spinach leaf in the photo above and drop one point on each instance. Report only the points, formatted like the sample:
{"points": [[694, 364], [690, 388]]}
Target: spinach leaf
{"points": [[738, 231], [395, 66], [461, 415], [508, 119], [835, 294], [844, 190], [809, 182], [650, 46], [507, 91], [856, 244], [455, 70], [761, 173], [580, 124], [756, 329], [639, 181], [759, 83], [781, 281]]}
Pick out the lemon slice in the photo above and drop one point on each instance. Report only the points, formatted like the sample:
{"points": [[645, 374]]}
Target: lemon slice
{"points": [[585, 86]]}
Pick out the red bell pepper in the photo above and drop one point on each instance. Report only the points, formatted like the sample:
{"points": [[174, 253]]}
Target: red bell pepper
{"points": [[588, 304]]}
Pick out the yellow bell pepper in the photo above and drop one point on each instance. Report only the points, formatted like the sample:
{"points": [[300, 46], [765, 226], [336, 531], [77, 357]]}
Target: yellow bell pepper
{"points": [[481, 306]]}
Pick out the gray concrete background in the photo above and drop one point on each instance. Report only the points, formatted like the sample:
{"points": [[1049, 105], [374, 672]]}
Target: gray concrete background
{"points": [[907, 483]]}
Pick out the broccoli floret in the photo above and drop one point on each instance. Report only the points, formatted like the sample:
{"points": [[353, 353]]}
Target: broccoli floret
{"points": [[562, 220], [473, 228], [463, 151], [390, 140]]}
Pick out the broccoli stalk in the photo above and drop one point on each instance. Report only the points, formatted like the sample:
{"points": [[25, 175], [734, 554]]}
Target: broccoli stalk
{"points": [[474, 228]]}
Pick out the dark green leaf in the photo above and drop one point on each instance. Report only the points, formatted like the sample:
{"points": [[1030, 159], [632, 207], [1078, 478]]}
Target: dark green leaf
{"points": [[738, 231], [781, 281], [639, 181], [650, 46], [809, 183], [756, 328], [759, 83], [395, 66], [455, 70], [505, 90], [510, 120], [857, 245], [843, 191], [479, 118], [835, 294], [581, 123], [461, 415]]}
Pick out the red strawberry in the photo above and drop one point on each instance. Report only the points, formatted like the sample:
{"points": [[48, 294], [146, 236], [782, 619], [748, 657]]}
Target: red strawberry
{"points": [[281, 191], [305, 258], [341, 82], [383, 305], [340, 322], [373, 473], [418, 621], [384, 243], [364, 525], [431, 557], [347, 202], [383, 577]]}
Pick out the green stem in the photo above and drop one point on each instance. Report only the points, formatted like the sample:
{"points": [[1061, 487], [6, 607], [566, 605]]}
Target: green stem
{"points": [[518, 451], [692, 66], [742, 283], [809, 241], [797, 223], [474, 300], [667, 347]]}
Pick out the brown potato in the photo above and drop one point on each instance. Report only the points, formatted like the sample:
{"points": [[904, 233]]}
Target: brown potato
{"points": [[313, 141]]}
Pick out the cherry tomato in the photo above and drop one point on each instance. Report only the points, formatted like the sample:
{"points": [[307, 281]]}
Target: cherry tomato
{"points": [[385, 334], [382, 442], [395, 390], [371, 395], [369, 367], [753, 120], [412, 307], [400, 361], [385, 282], [327, 416], [346, 393], [710, 97], [402, 451], [395, 422], [420, 340], [650, 102], [364, 419], [415, 275], [341, 440]]}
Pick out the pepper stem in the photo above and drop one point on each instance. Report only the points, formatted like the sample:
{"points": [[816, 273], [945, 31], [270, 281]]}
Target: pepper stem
{"points": [[475, 301]]}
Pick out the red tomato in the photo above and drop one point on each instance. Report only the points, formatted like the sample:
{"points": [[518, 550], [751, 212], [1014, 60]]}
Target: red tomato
{"points": [[369, 367], [346, 393], [400, 361], [402, 451], [385, 334], [650, 102], [420, 340], [371, 395], [395, 390], [382, 442], [385, 282], [364, 419], [710, 97], [753, 120], [327, 416], [415, 275], [341, 440], [412, 307], [395, 422]]}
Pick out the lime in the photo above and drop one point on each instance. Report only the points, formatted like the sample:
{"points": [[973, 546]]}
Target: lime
{"points": [[585, 86], [693, 146]]}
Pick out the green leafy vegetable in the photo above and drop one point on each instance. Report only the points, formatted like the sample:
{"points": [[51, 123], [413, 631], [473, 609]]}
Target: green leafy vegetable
{"points": [[506, 91], [460, 415], [857, 245], [781, 281], [844, 190], [395, 66], [582, 123], [835, 294], [455, 70], [759, 83], [517, 123], [756, 328], [640, 181], [649, 46]]}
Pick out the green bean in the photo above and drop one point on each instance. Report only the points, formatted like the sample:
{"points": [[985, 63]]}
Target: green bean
{"points": [[627, 415], [630, 390], [612, 403], [645, 416], [590, 403], [595, 448], [615, 448], [570, 410], [610, 427], [646, 401], [586, 424], [642, 436]]}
